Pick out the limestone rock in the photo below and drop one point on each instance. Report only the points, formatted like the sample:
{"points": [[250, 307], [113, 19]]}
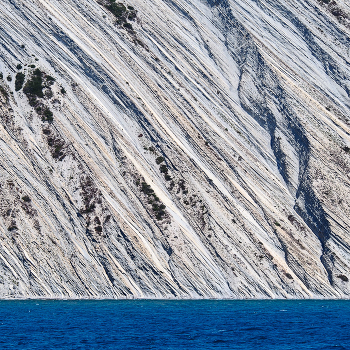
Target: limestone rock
{"points": [[174, 149]]}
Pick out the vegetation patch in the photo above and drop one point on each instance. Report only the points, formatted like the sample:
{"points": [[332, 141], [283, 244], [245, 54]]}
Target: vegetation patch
{"points": [[56, 144], [26, 199], [47, 115], [34, 86], [4, 93], [288, 275], [159, 160], [333, 7], [343, 278], [158, 207], [98, 228], [12, 226], [122, 13], [19, 81], [89, 193], [34, 89]]}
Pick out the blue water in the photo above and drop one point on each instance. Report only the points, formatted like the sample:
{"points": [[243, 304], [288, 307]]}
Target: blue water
{"points": [[175, 325]]}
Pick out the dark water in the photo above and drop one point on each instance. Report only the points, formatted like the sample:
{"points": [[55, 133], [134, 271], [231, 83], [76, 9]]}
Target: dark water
{"points": [[175, 325]]}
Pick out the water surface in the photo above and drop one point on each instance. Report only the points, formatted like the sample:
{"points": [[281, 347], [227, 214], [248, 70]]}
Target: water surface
{"points": [[174, 325]]}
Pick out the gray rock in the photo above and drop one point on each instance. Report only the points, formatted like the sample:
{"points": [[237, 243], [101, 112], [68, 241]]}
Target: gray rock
{"points": [[201, 152]]}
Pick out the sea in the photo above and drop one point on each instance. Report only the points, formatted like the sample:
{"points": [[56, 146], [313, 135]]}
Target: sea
{"points": [[172, 324]]}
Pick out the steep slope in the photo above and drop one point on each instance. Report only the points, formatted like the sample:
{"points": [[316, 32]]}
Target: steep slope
{"points": [[175, 149]]}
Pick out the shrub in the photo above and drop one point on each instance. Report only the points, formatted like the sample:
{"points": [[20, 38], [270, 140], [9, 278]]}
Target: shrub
{"points": [[118, 9], [132, 15], [156, 198], [63, 91], [146, 188], [157, 207], [163, 169], [4, 93], [343, 278], [49, 78], [47, 115], [159, 160], [26, 199], [12, 227], [288, 275], [127, 26], [19, 66], [34, 85], [19, 81], [98, 229], [32, 100], [48, 93], [37, 72], [9, 78]]}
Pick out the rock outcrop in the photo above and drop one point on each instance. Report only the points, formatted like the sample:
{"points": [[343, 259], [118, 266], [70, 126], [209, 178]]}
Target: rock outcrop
{"points": [[174, 149]]}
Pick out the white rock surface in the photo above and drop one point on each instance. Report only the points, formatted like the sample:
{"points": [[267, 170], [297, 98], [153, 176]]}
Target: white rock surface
{"points": [[247, 102]]}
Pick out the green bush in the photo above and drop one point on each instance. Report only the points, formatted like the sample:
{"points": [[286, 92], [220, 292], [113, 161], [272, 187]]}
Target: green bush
{"points": [[26, 199], [159, 160], [49, 78], [118, 9], [4, 93], [98, 229], [146, 188], [131, 16], [127, 26], [19, 81], [163, 169], [12, 227], [47, 115], [343, 278], [288, 275], [34, 86]]}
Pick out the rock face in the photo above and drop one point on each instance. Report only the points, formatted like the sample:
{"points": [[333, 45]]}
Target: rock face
{"points": [[175, 149]]}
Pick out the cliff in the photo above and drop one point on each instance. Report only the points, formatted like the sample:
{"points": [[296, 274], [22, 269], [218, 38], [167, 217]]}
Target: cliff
{"points": [[174, 149]]}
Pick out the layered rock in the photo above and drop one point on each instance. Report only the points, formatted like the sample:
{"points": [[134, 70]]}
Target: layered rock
{"points": [[174, 149]]}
